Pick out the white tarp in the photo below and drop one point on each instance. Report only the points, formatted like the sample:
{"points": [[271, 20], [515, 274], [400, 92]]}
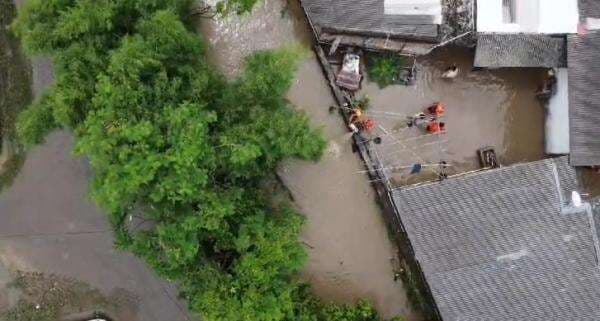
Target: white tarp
{"points": [[557, 116], [530, 16], [431, 8]]}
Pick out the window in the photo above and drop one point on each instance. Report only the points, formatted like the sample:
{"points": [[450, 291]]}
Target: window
{"points": [[509, 11]]}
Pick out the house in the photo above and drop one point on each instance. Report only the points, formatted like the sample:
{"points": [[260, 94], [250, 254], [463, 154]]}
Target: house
{"points": [[524, 33], [564, 35], [408, 25], [505, 244], [527, 16], [559, 34], [584, 87]]}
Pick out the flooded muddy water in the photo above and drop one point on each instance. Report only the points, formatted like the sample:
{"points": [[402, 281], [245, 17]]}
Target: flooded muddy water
{"points": [[591, 182], [351, 255], [483, 108], [272, 24]]}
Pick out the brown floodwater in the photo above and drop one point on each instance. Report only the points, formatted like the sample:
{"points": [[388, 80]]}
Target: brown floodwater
{"points": [[591, 182], [351, 256], [483, 108], [272, 24]]}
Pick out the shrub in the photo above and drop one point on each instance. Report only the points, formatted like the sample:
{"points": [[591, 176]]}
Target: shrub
{"points": [[384, 69]]}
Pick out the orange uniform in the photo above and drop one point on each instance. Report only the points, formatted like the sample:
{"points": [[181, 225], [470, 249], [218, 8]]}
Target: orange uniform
{"points": [[437, 109], [436, 128]]}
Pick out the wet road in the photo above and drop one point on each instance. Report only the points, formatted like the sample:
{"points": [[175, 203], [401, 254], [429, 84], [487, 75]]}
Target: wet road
{"points": [[48, 225]]}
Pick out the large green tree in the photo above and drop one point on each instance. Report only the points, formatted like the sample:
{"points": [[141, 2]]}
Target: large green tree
{"points": [[179, 154]]}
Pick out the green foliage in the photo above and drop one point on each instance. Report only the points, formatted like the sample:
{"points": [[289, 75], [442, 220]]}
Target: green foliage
{"points": [[309, 308], [384, 69], [414, 291], [363, 102], [35, 122], [362, 311], [186, 153], [10, 169], [235, 6]]}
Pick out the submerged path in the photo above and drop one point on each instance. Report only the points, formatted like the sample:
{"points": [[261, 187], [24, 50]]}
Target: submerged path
{"points": [[48, 225], [351, 256]]}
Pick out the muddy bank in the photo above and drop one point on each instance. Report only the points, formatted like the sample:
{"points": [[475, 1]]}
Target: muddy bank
{"points": [[483, 108], [44, 297]]}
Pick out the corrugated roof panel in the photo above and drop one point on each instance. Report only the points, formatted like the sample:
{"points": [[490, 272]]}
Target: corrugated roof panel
{"points": [[367, 17], [496, 50], [584, 91], [494, 245]]}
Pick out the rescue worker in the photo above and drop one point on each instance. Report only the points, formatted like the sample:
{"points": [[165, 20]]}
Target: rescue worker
{"points": [[358, 122], [354, 119], [356, 115], [548, 87], [436, 128], [366, 125], [436, 110]]}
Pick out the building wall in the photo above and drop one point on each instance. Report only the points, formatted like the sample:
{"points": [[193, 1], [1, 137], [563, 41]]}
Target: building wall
{"points": [[557, 116], [532, 16]]}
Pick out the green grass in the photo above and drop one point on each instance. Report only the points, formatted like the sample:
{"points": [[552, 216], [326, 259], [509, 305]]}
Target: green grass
{"points": [[15, 92], [384, 69]]}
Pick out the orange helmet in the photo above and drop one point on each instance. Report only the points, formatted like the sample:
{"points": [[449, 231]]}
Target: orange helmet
{"points": [[438, 109]]}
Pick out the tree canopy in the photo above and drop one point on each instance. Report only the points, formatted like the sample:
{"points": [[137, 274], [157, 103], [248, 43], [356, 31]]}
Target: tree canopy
{"points": [[180, 154]]}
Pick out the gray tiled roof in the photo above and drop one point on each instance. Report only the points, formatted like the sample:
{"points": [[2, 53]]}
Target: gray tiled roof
{"points": [[494, 246], [589, 8], [367, 17], [584, 91], [496, 50]]}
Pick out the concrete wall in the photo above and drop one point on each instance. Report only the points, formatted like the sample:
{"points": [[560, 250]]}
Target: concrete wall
{"points": [[532, 16], [415, 7]]}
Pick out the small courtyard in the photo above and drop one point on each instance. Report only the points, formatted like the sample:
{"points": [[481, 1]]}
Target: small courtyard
{"points": [[483, 108]]}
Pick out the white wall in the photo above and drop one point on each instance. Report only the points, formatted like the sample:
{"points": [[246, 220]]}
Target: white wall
{"points": [[557, 116], [533, 16], [559, 16], [415, 7]]}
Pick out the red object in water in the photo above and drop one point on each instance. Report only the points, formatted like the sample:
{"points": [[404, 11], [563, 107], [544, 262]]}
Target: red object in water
{"points": [[436, 128], [437, 109], [369, 124], [366, 125]]}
